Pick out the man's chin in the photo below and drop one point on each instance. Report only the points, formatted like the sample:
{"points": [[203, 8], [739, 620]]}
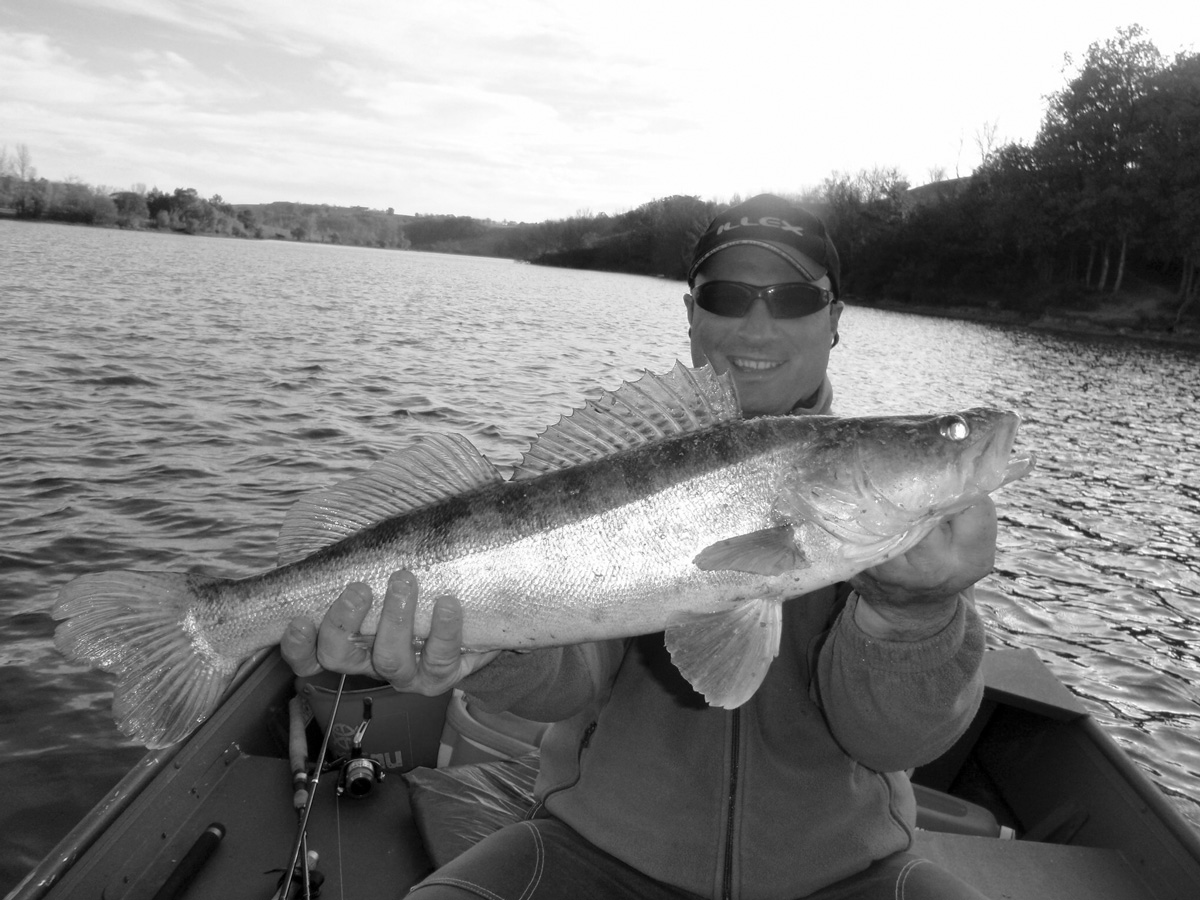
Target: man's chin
{"points": [[756, 402]]}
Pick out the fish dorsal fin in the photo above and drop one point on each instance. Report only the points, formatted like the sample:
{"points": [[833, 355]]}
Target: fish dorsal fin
{"points": [[653, 408], [432, 468], [725, 655]]}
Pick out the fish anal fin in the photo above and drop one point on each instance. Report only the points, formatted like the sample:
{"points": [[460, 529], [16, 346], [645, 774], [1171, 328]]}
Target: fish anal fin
{"points": [[431, 469], [770, 551], [725, 655]]}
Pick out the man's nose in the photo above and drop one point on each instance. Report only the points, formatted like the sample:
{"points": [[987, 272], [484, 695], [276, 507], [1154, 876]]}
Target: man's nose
{"points": [[758, 320]]}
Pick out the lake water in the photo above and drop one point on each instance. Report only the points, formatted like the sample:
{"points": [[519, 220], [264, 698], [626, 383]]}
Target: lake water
{"points": [[164, 399]]}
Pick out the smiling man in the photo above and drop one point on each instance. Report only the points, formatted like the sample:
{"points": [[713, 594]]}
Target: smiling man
{"points": [[763, 304], [645, 791]]}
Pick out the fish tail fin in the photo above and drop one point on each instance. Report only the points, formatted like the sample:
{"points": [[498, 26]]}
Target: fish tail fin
{"points": [[135, 625]]}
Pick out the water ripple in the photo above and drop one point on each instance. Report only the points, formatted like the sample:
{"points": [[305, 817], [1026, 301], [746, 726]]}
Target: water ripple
{"points": [[166, 399]]}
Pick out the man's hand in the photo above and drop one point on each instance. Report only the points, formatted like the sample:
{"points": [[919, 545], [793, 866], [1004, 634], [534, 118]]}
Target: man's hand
{"points": [[338, 646], [915, 595]]}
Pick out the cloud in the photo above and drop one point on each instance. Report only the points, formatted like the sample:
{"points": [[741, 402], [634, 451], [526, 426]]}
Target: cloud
{"points": [[529, 109]]}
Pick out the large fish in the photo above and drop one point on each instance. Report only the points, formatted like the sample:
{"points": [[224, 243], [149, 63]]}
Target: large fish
{"points": [[656, 507]]}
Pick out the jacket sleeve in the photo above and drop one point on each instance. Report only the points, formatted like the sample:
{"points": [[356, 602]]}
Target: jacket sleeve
{"points": [[546, 685], [893, 705]]}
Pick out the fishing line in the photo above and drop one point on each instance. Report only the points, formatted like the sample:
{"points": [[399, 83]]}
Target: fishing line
{"points": [[337, 809]]}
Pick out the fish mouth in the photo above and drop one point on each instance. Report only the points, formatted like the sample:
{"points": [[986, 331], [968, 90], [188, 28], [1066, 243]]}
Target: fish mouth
{"points": [[996, 464], [988, 477], [1018, 467]]}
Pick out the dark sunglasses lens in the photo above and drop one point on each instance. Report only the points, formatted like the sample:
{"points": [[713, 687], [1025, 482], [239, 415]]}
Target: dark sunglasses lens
{"points": [[724, 298], [791, 301]]}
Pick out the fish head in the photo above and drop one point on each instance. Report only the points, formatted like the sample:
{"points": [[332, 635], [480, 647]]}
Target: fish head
{"points": [[938, 464], [886, 480]]}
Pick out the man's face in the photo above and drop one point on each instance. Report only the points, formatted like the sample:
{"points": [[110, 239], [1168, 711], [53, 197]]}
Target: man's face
{"points": [[776, 363]]}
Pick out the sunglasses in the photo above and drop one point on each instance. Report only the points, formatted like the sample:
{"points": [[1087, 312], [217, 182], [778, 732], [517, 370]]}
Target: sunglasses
{"points": [[785, 301]]}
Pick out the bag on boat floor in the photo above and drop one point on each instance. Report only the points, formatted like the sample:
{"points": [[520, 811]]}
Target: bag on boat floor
{"points": [[455, 808]]}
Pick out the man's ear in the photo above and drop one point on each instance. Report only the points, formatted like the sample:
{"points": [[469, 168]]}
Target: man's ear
{"points": [[835, 313], [690, 304]]}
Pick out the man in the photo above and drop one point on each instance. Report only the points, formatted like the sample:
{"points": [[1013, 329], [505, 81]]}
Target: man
{"points": [[644, 790]]}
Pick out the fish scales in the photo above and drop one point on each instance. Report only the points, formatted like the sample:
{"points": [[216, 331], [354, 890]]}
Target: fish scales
{"points": [[653, 508], [522, 556]]}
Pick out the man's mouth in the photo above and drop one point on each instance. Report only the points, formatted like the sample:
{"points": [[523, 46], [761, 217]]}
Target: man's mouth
{"points": [[754, 365]]}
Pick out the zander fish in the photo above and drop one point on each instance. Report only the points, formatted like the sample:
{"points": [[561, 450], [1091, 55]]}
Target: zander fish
{"points": [[656, 507]]}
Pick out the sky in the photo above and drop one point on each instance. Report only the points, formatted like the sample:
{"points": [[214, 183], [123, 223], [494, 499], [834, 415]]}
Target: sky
{"points": [[528, 110]]}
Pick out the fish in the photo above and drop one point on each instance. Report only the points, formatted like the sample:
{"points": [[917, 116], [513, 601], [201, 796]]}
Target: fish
{"points": [[656, 507]]}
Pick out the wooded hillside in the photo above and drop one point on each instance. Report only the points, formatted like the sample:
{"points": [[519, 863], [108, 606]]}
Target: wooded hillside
{"points": [[1108, 192]]}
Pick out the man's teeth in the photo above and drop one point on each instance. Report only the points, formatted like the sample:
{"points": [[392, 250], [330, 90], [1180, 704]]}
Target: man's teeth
{"points": [[756, 365]]}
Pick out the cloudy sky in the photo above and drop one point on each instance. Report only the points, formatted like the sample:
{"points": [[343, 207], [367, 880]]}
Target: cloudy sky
{"points": [[533, 109]]}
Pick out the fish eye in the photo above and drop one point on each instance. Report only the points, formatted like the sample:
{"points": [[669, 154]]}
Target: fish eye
{"points": [[954, 427]]}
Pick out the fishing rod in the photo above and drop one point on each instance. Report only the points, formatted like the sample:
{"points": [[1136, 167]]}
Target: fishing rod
{"points": [[300, 844]]}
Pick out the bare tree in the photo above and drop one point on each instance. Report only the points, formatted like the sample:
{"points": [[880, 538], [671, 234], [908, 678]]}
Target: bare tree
{"points": [[936, 173], [21, 164], [985, 140]]}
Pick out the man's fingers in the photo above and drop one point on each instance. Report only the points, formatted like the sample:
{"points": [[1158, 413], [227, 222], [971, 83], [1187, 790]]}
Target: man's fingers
{"points": [[336, 647], [441, 657], [299, 646], [393, 655], [438, 666]]}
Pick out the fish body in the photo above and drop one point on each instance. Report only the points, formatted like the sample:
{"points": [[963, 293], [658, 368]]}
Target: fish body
{"points": [[655, 508]]}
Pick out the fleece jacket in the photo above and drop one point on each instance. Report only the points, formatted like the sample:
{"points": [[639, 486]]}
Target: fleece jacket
{"points": [[797, 789]]}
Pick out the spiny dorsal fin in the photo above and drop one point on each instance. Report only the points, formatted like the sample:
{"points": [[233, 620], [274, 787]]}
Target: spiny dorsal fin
{"points": [[639, 412], [432, 468]]}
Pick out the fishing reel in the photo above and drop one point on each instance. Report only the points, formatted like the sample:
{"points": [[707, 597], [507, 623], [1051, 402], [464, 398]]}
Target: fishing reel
{"points": [[359, 774]]}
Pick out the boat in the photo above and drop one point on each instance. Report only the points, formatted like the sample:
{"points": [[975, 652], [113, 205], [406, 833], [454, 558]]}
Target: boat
{"points": [[1035, 801]]}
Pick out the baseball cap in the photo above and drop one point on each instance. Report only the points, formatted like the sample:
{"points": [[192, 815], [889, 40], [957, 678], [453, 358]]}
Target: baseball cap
{"points": [[777, 225]]}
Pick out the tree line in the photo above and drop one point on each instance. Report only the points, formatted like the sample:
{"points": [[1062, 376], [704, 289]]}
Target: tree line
{"points": [[1108, 190], [1110, 186]]}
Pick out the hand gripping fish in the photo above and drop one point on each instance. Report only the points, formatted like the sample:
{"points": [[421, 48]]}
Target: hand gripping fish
{"points": [[656, 507]]}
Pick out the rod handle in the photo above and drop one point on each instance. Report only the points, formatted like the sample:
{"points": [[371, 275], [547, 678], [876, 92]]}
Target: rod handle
{"points": [[191, 864]]}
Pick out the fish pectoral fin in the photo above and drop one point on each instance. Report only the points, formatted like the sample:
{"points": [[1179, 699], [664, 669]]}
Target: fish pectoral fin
{"points": [[725, 655], [771, 551]]}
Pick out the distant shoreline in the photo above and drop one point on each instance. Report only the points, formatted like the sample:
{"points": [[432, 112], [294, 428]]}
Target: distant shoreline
{"points": [[1112, 320]]}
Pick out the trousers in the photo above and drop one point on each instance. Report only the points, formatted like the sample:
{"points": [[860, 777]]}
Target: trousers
{"points": [[544, 859]]}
